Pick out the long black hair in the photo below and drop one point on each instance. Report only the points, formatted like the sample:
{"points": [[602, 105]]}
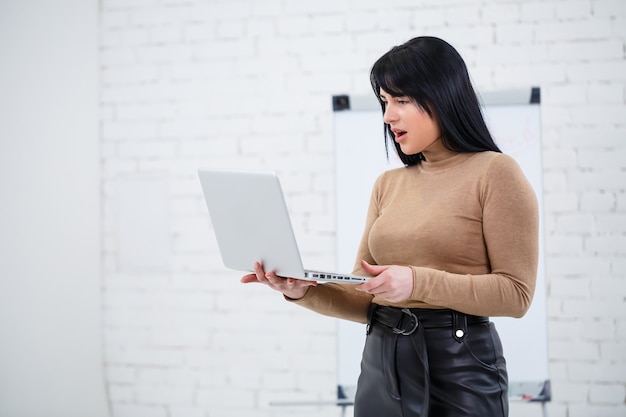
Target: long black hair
{"points": [[432, 73]]}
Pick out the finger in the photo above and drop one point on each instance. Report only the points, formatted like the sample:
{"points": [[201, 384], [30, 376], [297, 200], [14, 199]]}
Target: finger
{"points": [[258, 269], [288, 282], [274, 279], [301, 282], [249, 278], [372, 286], [373, 269]]}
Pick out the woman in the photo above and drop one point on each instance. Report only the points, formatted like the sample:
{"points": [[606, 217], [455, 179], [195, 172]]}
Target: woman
{"points": [[450, 239]]}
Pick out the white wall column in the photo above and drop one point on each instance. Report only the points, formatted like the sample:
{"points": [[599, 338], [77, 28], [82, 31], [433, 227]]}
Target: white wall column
{"points": [[50, 309]]}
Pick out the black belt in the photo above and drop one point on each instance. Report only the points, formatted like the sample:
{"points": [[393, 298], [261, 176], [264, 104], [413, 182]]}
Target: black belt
{"points": [[405, 321]]}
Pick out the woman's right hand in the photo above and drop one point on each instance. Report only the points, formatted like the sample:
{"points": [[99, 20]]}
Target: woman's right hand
{"points": [[291, 287]]}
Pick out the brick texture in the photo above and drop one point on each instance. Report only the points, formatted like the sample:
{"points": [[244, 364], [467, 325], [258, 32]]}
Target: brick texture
{"points": [[247, 84]]}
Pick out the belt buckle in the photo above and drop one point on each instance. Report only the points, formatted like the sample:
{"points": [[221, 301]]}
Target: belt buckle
{"points": [[409, 332]]}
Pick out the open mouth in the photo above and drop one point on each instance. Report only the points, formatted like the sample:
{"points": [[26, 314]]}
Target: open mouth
{"points": [[399, 135]]}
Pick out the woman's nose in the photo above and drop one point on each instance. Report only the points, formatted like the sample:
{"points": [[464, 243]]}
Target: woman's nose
{"points": [[389, 115]]}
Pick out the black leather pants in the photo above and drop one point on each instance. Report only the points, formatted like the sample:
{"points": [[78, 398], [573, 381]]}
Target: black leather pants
{"points": [[431, 363]]}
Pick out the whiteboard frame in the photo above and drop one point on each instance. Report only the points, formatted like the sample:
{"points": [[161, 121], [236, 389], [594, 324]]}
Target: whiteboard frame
{"points": [[532, 389]]}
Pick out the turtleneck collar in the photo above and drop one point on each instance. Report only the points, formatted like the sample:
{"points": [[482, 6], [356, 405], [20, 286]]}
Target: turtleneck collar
{"points": [[443, 160]]}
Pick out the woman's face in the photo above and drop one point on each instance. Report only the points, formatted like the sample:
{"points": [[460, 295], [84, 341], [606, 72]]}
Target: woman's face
{"points": [[413, 129]]}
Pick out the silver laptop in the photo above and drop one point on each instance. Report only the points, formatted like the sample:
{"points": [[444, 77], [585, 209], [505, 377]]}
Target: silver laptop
{"points": [[251, 223]]}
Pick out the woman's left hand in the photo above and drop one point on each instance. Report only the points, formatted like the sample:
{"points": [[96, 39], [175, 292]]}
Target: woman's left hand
{"points": [[393, 283]]}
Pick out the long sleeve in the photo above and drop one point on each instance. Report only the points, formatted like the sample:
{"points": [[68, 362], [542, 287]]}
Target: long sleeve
{"points": [[468, 228], [510, 229], [337, 300]]}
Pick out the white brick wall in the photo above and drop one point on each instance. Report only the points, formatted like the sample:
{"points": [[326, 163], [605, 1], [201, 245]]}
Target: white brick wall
{"points": [[248, 83]]}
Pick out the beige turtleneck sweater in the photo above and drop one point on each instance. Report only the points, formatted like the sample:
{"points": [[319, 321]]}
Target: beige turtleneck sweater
{"points": [[466, 225]]}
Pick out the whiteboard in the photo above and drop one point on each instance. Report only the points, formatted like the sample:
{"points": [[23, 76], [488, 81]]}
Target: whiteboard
{"points": [[513, 118]]}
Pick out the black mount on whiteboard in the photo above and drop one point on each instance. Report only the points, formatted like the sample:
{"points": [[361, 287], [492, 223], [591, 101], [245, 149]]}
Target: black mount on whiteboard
{"points": [[341, 102], [535, 95]]}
